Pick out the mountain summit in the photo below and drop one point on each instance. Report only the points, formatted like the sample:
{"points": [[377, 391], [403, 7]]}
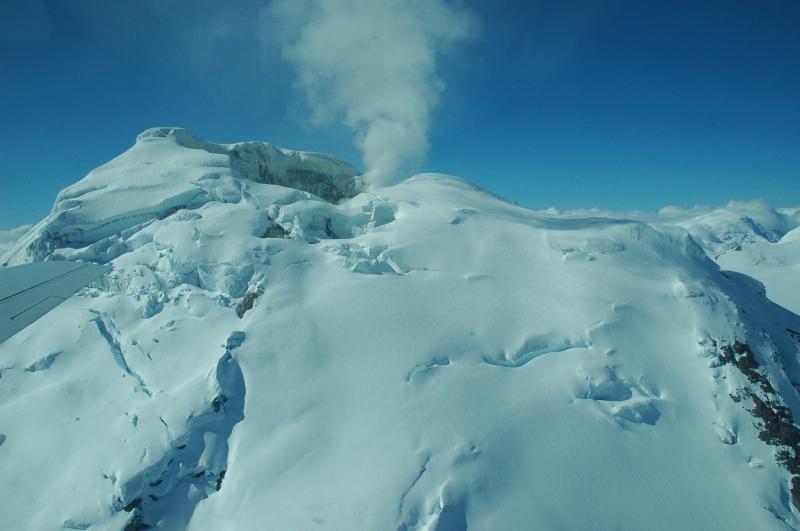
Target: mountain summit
{"points": [[278, 347]]}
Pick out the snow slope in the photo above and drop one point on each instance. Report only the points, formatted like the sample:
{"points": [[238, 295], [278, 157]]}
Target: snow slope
{"points": [[751, 238], [747, 237], [777, 265], [421, 356]]}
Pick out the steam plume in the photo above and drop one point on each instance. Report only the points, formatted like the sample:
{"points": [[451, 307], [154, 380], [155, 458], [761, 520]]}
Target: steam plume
{"points": [[372, 65]]}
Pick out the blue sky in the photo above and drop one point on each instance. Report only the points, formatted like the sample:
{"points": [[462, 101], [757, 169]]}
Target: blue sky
{"points": [[614, 104]]}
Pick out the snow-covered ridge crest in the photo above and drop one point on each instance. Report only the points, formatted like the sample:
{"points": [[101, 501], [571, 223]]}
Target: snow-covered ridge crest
{"points": [[717, 229], [322, 175], [167, 170]]}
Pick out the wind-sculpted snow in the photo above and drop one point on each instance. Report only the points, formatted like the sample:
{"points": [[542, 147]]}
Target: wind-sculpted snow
{"points": [[422, 356]]}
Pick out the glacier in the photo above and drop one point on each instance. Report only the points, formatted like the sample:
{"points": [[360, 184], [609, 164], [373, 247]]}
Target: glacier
{"points": [[278, 346]]}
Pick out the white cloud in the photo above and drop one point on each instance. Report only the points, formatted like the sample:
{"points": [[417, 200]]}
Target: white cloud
{"points": [[10, 236]]}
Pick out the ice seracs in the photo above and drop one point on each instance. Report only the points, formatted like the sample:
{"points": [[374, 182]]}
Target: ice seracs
{"points": [[420, 356]]}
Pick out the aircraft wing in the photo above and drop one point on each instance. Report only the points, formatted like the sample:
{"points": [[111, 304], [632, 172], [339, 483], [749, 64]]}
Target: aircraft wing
{"points": [[29, 291]]}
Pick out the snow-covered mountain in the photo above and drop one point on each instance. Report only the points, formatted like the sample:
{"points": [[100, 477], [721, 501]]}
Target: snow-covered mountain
{"points": [[278, 348], [751, 238], [747, 237]]}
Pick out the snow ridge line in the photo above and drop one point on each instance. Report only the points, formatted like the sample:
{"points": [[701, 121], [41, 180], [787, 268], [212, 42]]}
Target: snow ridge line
{"points": [[195, 465], [422, 470], [105, 328]]}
